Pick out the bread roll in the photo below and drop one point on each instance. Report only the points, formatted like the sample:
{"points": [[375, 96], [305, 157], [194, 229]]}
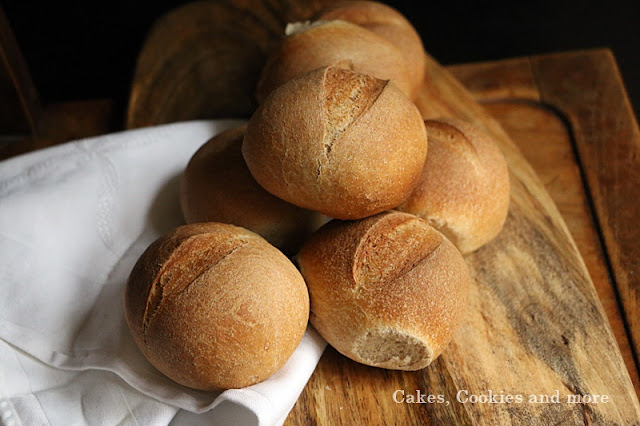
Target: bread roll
{"points": [[335, 141], [391, 25], [216, 186], [308, 46], [214, 306], [386, 291], [463, 190]]}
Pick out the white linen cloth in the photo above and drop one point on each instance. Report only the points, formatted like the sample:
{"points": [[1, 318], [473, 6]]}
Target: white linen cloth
{"points": [[73, 221]]}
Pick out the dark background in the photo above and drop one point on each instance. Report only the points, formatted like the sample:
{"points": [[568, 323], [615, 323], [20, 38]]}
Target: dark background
{"points": [[79, 50]]}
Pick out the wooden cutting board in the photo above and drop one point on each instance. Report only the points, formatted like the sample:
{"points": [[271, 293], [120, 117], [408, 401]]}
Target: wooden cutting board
{"points": [[535, 346]]}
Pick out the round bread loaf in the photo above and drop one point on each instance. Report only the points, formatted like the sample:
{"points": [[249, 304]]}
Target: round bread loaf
{"points": [[308, 46], [338, 142], [214, 306], [463, 190], [216, 186], [391, 25], [386, 291]]}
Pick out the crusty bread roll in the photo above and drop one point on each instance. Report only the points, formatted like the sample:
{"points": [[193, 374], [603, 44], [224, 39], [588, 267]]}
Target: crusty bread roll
{"points": [[308, 46], [216, 186], [214, 306], [335, 141], [386, 291], [391, 25], [463, 190]]}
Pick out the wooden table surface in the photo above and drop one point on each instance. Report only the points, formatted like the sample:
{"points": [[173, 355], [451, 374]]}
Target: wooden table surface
{"points": [[569, 115], [571, 118]]}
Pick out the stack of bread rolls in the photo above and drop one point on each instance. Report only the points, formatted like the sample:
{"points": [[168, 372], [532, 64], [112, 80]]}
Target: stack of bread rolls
{"points": [[338, 170]]}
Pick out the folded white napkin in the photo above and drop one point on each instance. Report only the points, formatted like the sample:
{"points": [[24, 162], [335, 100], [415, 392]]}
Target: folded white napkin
{"points": [[73, 221]]}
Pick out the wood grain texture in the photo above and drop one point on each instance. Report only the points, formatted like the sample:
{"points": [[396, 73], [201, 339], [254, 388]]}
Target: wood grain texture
{"points": [[534, 325], [534, 297], [554, 162], [546, 139], [608, 145], [507, 79]]}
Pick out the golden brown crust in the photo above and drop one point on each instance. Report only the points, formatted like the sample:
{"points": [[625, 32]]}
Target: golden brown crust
{"points": [[334, 43], [338, 142], [463, 190], [214, 306], [386, 291], [216, 186], [391, 25]]}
